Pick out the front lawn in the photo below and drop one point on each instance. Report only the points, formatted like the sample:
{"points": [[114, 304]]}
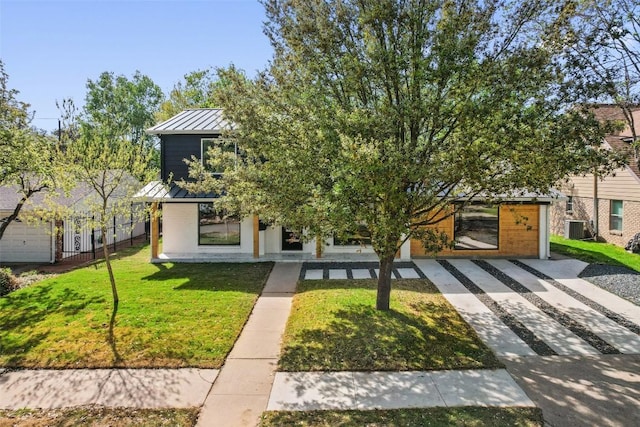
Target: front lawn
{"points": [[100, 417], [436, 417], [170, 315], [334, 326], [595, 252]]}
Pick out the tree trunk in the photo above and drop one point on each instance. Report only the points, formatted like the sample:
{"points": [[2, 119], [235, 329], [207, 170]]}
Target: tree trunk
{"points": [[105, 250], [384, 283], [4, 224]]}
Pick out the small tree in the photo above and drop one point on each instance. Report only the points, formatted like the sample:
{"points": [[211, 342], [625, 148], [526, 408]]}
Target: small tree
{"points": [[106, 150], [26, 156], [396, 113]]}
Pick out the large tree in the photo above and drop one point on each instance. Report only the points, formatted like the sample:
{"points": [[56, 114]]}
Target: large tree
{"points": [[395, 113], [125, 107], [196, 91], [26, 155], [604, 51]]}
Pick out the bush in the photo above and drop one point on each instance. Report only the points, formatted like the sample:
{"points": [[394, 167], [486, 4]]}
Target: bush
{"points": [[634, 244], [8, 282]]}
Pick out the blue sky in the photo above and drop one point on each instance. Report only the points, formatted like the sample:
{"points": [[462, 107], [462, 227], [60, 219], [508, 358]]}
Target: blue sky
{"points": [[50, 48]]}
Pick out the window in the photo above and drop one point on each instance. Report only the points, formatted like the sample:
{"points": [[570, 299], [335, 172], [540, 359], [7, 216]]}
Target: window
{"points": [[226, 147], [476, 227], [615, 215], [217, 228], [362, 236], [570, 204]]}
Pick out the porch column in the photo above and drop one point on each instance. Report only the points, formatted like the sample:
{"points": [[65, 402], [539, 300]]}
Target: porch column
{"points": [[155, 230], [256, 236]]}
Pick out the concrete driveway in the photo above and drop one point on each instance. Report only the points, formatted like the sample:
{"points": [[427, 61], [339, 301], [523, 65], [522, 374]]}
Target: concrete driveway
{"points": [[573, 347]]}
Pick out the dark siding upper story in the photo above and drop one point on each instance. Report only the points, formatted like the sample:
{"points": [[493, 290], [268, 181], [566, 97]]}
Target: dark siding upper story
{"points": [[174, 149]]}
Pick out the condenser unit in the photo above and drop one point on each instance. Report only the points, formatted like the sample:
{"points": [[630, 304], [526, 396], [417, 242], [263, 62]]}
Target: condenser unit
{"points": [[574, 229]]}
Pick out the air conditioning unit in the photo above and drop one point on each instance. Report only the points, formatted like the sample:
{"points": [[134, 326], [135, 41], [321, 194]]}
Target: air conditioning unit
{"points": [[574, 229]]}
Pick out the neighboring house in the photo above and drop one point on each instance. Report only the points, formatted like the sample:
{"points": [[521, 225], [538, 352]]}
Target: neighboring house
{"points": [[38, 242], [616, 218], [194, 231]]}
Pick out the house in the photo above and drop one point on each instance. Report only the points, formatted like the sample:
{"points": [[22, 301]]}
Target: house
{"points": [[616, 217], [49, 241], [194, 231]]}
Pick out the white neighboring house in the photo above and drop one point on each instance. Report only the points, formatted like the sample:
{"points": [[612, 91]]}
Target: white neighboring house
{"points": [[29, 242]]}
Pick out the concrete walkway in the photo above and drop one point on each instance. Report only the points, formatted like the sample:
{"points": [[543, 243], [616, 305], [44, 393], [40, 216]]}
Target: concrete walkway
{"points": [[241, 392]]}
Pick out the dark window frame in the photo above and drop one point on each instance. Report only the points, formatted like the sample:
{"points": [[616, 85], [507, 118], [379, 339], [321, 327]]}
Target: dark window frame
{"points": [[224, 220], [458, 218]]}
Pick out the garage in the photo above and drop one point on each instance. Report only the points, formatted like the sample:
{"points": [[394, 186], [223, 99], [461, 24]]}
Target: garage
{"points": [[25, 243]]}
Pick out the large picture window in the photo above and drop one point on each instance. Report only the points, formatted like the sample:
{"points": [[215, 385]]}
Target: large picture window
{"points": [[217, 228], [615, 215], [360, 237], [476, 227], [226, 146]]}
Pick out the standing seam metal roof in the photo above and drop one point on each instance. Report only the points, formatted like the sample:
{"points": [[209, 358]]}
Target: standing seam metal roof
{"points": [[193, 121]]}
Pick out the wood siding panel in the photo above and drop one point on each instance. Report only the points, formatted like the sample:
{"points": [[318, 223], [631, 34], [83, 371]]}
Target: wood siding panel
{"points": [[518, 235]]}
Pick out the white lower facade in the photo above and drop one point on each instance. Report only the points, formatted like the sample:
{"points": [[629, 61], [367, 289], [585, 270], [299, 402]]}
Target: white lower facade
{"points": [[180, 240]]}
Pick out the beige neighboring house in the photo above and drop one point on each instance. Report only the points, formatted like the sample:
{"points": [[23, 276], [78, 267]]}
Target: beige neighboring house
{"points": [[616, 218]]}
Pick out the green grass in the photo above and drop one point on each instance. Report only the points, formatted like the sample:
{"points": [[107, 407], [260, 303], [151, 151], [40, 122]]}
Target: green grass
{"points": [[334, 326], [100, 417], [444, 417], [595, 252], [169, 315]]}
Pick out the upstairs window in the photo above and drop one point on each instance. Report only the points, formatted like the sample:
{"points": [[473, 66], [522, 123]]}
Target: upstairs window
{"points": [[226, 147], [476, 227], [615, 215], [216, 227]]}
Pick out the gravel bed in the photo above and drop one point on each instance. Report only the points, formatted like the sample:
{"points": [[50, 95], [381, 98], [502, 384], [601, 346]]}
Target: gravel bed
{"points": [[621, 281]]}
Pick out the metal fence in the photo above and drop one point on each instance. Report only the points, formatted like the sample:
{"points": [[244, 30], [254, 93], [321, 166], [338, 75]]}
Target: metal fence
{"points": [[81, 241]]}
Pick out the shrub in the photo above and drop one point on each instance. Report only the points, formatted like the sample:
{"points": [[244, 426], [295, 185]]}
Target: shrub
{"points": [[8, 282], [634, 244]]}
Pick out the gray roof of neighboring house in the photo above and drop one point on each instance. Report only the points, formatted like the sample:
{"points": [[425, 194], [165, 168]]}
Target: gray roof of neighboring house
{"points": [[160, 192], [193, 121], [77, 197], [10, 196]]}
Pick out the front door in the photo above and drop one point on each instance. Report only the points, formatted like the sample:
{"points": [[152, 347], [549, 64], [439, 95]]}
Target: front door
{"points": [[291, 240]]}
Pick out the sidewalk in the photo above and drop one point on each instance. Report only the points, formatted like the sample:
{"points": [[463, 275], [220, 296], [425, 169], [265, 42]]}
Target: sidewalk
{"points": [[133, 388]]}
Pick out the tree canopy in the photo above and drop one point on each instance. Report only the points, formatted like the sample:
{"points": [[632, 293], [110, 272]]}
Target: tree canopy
{"points": [[603, 48], [197, 91], [396, 113]]}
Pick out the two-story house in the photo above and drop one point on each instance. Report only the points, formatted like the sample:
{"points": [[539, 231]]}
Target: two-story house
{"points": [[194, 231], [609, 207]]}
